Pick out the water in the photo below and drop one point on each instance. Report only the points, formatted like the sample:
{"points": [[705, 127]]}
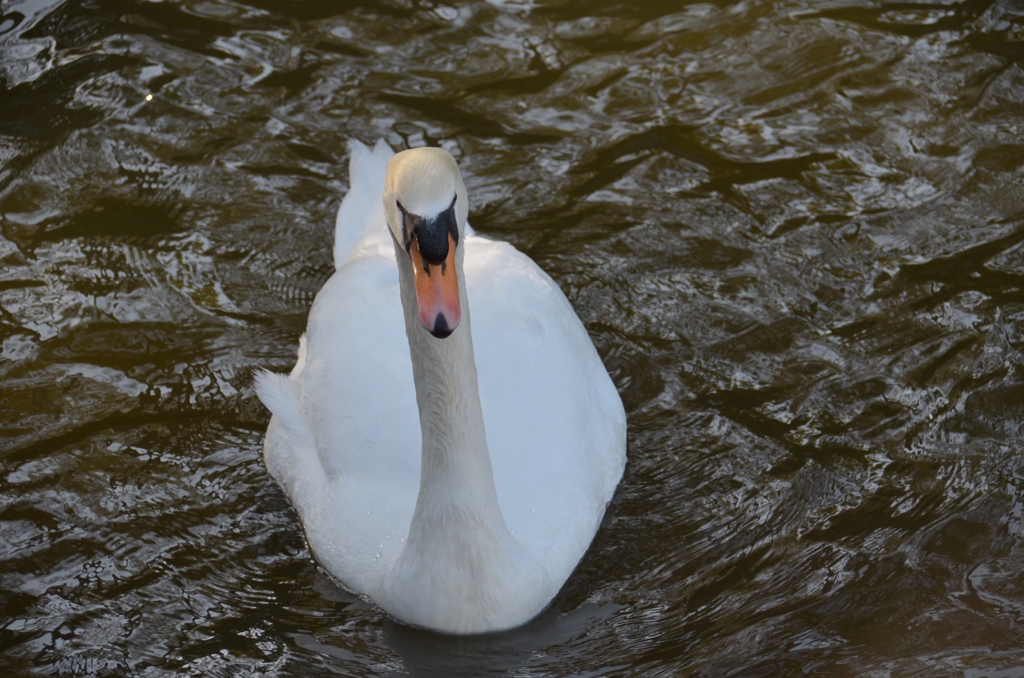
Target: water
{"points": [[793, 230]]}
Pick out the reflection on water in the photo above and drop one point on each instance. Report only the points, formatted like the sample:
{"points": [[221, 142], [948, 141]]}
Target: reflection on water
{"points": [[793, 230]]}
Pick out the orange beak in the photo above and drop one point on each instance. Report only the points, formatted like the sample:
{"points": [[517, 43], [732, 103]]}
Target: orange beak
{"points": [[437, 291]]}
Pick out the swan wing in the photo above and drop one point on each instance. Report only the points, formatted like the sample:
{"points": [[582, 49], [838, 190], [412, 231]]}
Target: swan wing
{"points": [[361, 210], [555, 423]]}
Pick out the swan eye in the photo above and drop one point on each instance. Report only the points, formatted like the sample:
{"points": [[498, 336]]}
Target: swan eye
{"points": [[406, 231]]}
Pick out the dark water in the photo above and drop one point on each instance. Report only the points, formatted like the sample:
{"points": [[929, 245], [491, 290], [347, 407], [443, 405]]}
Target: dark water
{"points": [[793, 229]]}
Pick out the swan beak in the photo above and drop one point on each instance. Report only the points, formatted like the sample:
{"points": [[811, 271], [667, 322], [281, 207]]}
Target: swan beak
{"points": [[437, 291]]}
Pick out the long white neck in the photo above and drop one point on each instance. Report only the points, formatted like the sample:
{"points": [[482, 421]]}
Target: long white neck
{"points": [[456, 473], [459, 557]]}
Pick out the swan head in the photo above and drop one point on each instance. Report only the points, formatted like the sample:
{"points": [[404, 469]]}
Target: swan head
{"points": [[425, 208]]}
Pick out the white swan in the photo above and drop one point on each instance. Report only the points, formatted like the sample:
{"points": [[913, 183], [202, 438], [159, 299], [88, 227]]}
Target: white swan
{"points": [[457, 488]]}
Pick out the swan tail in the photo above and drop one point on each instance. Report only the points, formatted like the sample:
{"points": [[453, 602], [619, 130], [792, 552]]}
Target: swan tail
{"points": [[280, 395], [288, 449], [361, 210]]}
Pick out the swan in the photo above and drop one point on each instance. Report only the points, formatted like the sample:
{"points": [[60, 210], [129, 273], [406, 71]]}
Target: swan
{"points": [[449, 436]]}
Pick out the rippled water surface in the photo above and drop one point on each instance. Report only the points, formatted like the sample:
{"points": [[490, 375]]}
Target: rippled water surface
{"points": [[793, 229]]}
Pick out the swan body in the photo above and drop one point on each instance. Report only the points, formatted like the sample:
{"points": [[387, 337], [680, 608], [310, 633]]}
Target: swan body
{"points": [[456, 479]]}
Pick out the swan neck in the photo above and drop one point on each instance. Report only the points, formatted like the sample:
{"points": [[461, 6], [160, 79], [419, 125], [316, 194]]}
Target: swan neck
{"points": [[460, 565], [456, 464]]}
